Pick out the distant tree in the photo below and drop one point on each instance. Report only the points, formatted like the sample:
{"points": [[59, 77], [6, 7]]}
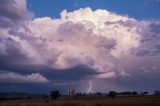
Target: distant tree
{"points": [[134, 93], [144, 93], [112, 94], [127, 93], [78, 94], [54, 94], [156, 92], [84, 94], [98, 93]]}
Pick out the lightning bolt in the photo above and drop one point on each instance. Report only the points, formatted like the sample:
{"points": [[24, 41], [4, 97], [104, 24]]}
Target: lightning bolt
{"points": [[90, 86]]}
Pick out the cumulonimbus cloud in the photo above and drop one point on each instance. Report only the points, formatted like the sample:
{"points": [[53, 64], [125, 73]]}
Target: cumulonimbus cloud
{"points": [[97, 39]]}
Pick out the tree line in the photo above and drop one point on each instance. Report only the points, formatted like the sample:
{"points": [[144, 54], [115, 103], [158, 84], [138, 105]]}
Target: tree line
{"points": [[55, 94]]}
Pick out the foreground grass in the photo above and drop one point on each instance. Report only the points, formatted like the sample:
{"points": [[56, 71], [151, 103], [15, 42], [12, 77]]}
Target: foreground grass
{"points": [[97, 101]]}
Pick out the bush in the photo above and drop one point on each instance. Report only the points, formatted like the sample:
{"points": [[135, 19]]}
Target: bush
{"points": [[54, 94], [156, 92], [112, 94]]}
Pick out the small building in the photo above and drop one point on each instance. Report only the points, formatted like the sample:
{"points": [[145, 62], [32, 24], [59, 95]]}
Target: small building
{"points": [[71, 92]]}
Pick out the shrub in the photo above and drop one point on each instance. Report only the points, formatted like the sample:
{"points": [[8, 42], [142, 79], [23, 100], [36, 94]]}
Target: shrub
{"points": [[54, 94], [112, 94]]}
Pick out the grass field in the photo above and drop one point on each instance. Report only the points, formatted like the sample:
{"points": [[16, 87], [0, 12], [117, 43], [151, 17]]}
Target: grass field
{"points": [[88, 101]]}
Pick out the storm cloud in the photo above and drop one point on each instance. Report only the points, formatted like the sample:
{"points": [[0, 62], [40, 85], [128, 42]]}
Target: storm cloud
{"points": [[82, 45]]}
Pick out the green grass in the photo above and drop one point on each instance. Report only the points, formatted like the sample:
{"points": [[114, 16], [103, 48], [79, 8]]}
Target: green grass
{"points": [[88, 101]]}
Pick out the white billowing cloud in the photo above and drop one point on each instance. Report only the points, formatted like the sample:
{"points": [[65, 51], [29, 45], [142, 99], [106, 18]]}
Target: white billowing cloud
{"points": [[97, 39], [93, 38], [18, 78], [110, 25]]}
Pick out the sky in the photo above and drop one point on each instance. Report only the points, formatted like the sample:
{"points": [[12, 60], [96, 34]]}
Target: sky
{"points": [[89, 45], [139, 9]]}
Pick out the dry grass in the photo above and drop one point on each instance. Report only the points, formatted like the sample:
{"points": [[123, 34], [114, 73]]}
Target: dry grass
{"points": [[88, 101]]}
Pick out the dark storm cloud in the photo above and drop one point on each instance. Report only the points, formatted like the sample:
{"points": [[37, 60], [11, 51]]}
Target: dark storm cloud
{"points": [[71, 74], [12, 55], [75, 73], [27, 88], [12, 13], [147, 81]]}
